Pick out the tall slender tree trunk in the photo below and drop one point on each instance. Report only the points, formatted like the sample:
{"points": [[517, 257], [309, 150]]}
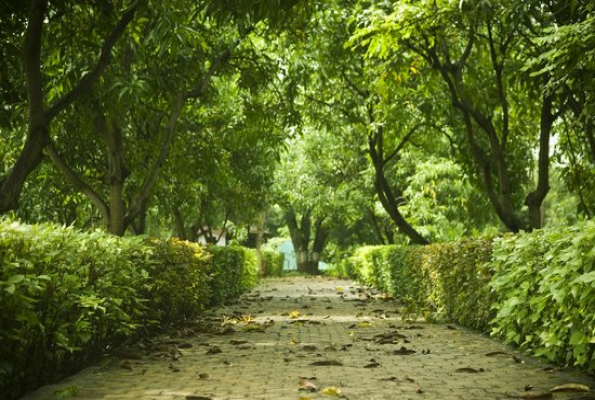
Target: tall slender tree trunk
{"points": [[535, 199]]}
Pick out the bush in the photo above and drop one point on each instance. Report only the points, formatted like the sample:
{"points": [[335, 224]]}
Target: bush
{"points": [[535, 290], [181, 280], [235, 270], [67, 297], [544, 286], [273, 262], [442, 281]]}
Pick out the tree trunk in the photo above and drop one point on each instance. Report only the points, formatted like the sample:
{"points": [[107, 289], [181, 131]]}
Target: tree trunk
{"points": [[535, 199], [388, 197], [258, 243], [39, 119], [117, 174], [37, 129]]}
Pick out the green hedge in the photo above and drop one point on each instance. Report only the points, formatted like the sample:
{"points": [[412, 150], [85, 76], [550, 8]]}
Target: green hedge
{"points": [[235, 269], [67, 297], [536, 290], [545, 293], [272, 261]]}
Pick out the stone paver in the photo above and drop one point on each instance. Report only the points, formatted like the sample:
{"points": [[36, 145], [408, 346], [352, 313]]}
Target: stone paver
{"points": [[264, 347]]}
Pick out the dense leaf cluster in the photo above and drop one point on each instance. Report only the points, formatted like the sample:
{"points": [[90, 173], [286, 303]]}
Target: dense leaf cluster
{"points": [[68, 298], [534, 290]]}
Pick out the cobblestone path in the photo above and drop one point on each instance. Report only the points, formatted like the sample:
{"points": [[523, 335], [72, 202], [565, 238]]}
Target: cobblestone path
{"points": [[316, 338]]}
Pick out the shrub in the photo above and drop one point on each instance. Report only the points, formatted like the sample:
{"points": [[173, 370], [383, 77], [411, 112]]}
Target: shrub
{"points": [[442, 281], [65, 298], [535, 290], [181, 280], [458, 281], [68, 297], [273, 262], [544, 286], [234, 270]]}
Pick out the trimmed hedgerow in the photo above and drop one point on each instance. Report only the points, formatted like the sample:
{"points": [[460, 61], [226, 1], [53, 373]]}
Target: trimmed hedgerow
{"points": [[235, 269], [459, 276], [67, 298], [544, 284], [535, 290], [442, 281], [181, 282], [272, 261]]}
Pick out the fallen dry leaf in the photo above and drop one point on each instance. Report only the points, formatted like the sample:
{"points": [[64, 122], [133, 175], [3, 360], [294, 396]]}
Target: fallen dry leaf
{"points": [[470, 370], [331, 391], [327, 363], [214, 350], [373, 364], [497, 353], [571, 387], [307, 386], [238, 342]]}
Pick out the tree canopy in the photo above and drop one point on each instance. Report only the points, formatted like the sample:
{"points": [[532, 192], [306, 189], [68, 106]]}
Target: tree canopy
{"points": [[342, 123]]}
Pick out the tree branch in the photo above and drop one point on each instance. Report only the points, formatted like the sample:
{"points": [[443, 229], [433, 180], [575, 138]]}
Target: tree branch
{"points": [[402, 143], [77, 183], [88, 80]]}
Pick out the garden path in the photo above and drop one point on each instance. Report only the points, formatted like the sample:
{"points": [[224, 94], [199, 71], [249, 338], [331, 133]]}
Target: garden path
{"points": [[317, 338]]}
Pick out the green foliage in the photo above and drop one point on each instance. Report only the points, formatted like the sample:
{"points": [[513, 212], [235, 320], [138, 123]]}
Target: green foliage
{"points": [[181, 282], [67, 298], [544, 284], [459, 279], [235, 269], [273, 262], [535, 290]]}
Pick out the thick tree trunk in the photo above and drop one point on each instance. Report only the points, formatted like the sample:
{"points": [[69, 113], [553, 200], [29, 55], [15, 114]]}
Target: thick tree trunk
{"points": [[180, 225], [117, 174], [39, 119], [37, 130]]}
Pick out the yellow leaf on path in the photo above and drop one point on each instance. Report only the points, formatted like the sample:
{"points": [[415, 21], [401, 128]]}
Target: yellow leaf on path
{"points": [[294, 314], [339, 289], [364, 324], [331, 391], [571, 387]]}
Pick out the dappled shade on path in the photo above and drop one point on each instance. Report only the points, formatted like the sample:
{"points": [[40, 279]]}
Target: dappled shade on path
{"points": [[315, 338]]}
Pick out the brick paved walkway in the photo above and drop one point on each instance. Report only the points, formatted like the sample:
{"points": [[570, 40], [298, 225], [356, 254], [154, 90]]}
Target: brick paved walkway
{"points": [[315, 338]]}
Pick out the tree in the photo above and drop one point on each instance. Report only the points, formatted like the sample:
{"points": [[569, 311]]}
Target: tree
{"points": [[476, 50], [42, 107]]}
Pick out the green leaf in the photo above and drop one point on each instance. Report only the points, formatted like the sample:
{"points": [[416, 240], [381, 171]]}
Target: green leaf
{"points": [[13, 280], [585, 278]]}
